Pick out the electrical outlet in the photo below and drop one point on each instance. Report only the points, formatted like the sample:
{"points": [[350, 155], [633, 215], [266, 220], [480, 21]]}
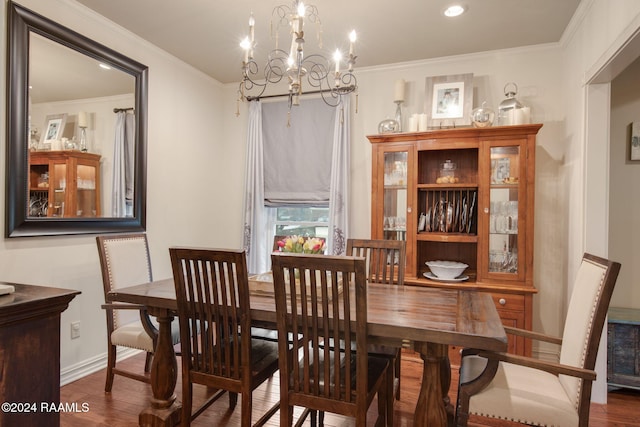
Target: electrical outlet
{"points": [[75, 330]]}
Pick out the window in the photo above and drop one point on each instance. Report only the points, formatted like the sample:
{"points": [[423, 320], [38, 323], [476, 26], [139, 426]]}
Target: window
{"points": [[300, 220]]}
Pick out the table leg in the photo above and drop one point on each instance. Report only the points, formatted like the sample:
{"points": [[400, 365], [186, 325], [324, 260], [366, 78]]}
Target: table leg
{"points": [[164, 410], [433, 400]]}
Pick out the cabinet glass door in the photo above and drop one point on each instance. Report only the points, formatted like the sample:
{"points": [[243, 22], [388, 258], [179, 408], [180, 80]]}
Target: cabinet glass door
{"points": [[58, 184], [504, 210], [395, 195], [86, 191]]}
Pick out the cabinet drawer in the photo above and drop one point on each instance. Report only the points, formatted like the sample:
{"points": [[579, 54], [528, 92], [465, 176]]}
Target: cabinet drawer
{"points": [[513, 302], [511, 308]]}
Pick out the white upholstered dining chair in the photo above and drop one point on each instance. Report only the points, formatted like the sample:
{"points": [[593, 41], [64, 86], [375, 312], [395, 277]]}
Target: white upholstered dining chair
{"points": [[543, 393], [125, 261]]}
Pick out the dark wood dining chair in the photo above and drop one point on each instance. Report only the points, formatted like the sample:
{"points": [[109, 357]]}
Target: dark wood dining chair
{"points": [[212, 292], [125, 261], [385, 263], [538, 392], [323, 372]]}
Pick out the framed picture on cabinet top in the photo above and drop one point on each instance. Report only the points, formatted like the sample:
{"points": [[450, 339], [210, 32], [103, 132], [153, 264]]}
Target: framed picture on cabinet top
{"points": [[448, 100], [634, 142], [53, 128], [500, 170]]}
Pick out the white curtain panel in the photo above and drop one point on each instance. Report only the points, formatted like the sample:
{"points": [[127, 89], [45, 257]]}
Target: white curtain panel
{"points": [[123, 165], [255, 219], [339, 197]]}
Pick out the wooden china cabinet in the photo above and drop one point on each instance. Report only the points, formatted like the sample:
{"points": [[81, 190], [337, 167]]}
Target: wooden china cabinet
{"points": [[64, 184], [464, 195]]}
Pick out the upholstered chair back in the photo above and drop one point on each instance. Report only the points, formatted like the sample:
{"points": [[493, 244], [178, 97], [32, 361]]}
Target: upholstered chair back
{"points": [[126, 263], [581, 322]]}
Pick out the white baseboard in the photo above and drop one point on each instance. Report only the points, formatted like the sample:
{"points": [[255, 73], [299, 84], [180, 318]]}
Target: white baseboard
{"points": [[547, 353], [89, 366]]}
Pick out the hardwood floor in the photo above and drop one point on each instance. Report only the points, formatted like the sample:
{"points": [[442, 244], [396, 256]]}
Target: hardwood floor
{"points": [[120, 408]]}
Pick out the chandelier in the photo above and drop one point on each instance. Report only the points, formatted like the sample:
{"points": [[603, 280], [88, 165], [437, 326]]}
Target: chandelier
{"points": [[329, 78]]}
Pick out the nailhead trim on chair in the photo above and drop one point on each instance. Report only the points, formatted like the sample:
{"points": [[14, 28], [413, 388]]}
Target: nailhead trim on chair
{"points": [[108, 257], [517, 420], [576, 403]]}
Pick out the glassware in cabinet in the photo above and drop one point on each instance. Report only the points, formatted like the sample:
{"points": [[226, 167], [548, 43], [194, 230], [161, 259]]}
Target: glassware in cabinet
{"points": [[394, 221], [505, 206], [59, 188]]}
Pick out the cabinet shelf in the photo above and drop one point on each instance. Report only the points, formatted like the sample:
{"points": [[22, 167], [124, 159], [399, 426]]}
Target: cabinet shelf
{"points": [[507, 186], [457, 186], [447, 237]]}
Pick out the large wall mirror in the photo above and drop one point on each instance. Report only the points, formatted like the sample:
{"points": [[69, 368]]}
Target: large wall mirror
{"points": [[76, 132]]}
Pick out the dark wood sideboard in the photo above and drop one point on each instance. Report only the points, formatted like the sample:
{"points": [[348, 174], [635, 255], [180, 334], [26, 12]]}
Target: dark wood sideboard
{"points": [[30, 354]]}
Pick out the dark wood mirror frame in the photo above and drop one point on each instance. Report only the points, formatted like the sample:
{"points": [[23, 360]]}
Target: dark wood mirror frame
{"points": [[20, 23]]}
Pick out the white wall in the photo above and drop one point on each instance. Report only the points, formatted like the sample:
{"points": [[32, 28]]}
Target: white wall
{"points": [[624, 200], [599, 32]]}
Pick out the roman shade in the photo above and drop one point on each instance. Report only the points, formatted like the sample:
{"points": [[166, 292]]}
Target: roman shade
{"points": [[297, 153]]}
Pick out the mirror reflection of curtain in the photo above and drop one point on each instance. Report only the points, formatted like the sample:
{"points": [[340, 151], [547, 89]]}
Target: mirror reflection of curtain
{"points": [[123, 165]]}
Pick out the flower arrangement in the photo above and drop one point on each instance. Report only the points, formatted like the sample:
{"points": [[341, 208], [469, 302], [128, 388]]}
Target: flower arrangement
{"points": [[299, 244]]}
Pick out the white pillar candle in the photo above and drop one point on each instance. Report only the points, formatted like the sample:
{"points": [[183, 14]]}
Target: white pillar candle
{"points": [[399, 92], [82, 119], [422, 122], [413, 123]]}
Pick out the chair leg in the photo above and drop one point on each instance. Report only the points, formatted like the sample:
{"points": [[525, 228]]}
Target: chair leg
{"points": [[386, 399], [111, 363], [397, 373], [147, 362], [245, 413], [390, 400], [187, 390], [286, 416], [233, 400]]}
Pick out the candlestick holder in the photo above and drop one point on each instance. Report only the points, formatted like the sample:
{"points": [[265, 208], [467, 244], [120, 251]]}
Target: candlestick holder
{"points": [[399, 114], [83, 139]]}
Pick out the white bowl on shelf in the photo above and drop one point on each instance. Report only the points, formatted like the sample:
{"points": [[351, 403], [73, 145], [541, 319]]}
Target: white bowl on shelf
{"points": [[447, 270]]}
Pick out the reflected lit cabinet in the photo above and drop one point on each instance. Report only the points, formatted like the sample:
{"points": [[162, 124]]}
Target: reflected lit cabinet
{"points": [[64, 184], [462, 195]]}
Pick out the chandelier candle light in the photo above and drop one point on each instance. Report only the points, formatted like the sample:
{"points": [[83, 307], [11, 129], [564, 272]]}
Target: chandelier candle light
{"points": [[330, 81]]}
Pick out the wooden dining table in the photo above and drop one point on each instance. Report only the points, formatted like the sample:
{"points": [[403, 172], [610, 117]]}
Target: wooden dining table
{"points": [[425, 319]]}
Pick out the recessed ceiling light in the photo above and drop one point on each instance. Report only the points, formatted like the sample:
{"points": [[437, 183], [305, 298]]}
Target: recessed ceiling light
{"points": [[454, 10], [104, 66]]}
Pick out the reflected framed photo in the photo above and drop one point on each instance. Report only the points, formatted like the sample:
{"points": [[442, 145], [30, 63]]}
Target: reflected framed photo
{"points": [[634, 142], [448, 100], [53, 128]]}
